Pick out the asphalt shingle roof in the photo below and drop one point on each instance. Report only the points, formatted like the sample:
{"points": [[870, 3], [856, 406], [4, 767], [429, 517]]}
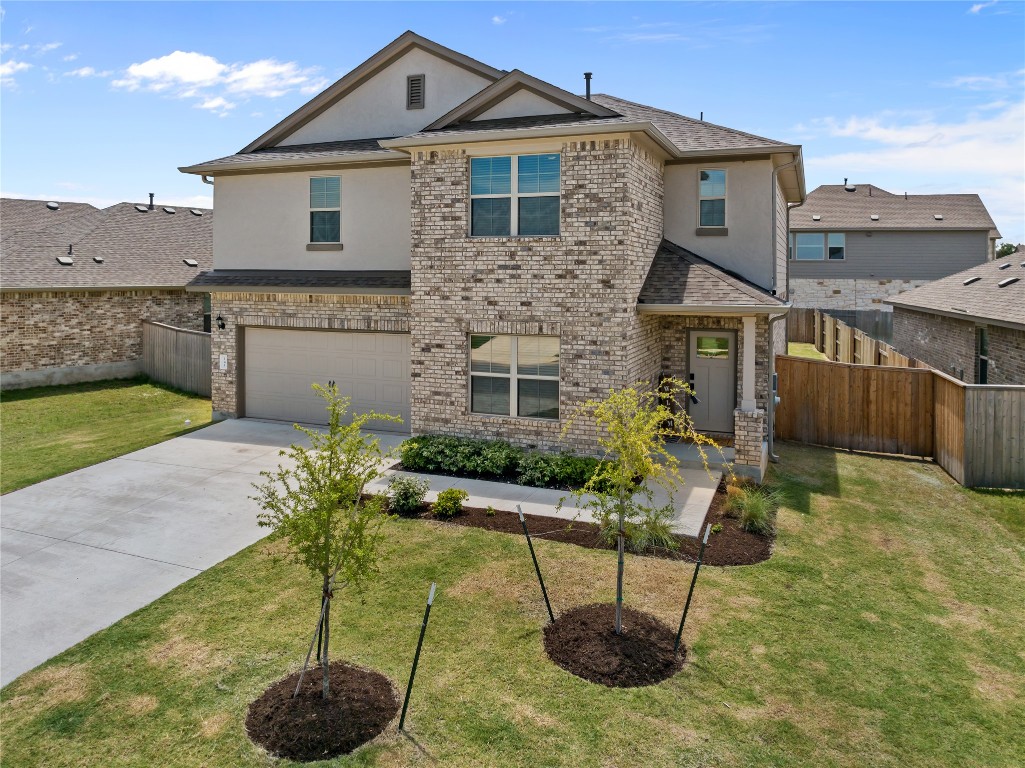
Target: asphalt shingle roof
{"points": [[395, 281], [677, 276], [982, 298], [328, 150], [838, 209], [138, 249]]}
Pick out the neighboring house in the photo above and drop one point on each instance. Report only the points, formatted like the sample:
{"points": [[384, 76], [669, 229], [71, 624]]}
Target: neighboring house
{"points": [[970, 325], [77, 282], [855, 245], [482, 252]]}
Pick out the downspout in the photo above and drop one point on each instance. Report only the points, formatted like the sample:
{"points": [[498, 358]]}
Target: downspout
{"points": [[772, 391]]}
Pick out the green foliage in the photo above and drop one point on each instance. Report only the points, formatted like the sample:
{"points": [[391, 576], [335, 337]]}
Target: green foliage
{"points": [[1005, 249], [754, 506], [406, 494], [540, 470], [450, 502], [490, 511], [653, 528], [717, 528]]}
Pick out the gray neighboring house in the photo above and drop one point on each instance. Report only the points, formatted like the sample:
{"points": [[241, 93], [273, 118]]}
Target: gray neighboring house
{"points": [[76, 282], [970, 325], [852, 246]]}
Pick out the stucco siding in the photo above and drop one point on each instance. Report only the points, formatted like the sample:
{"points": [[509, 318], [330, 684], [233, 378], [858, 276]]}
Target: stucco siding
{"points": [[522, 104], [377, 108], [747, 249], [263, 221], [782, 244], [900, 255]]}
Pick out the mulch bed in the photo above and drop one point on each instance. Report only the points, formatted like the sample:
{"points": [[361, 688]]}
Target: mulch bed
{"points": [[730, 546], [309, 727], [583, 641]]}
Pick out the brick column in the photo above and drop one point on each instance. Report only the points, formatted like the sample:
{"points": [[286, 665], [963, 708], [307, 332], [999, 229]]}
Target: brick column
{"points": [[750, 453]]}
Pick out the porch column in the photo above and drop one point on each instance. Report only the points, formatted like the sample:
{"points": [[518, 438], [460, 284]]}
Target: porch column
{"points": [[747, 393]]}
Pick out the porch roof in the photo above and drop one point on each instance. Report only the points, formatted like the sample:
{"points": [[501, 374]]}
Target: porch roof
{"points": [[683, 283]]}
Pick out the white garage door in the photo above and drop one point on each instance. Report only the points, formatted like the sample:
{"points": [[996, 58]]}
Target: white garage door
{"points": [[282, 365]]}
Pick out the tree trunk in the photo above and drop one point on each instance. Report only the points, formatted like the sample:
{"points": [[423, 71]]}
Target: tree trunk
{"points": [[326, 638], [619, 572]]}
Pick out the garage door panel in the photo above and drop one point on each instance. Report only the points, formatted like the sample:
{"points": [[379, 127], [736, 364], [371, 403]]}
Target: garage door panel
{"points": [[281, 366]]}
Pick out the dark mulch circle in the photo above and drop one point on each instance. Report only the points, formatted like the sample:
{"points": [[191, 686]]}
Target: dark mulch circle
{"points": [[309, 727], [583, 641], [730, 546]]}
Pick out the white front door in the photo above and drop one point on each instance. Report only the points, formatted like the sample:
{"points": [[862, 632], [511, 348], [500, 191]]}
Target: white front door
{"points": [[713, 377]]}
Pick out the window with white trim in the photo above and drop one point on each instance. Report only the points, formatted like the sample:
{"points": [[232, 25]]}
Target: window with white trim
{"points": [[515, 376], [712, 198], [517, 195], [818, 246], [326, 209]]}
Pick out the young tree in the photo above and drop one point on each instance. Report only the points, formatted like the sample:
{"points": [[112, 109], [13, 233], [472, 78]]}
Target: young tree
{"points": [[634, 424], [317, 507]]}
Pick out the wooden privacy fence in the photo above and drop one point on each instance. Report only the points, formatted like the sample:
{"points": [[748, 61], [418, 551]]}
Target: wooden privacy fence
{"points": [[975, 432], [843, 344], [177, 357]]}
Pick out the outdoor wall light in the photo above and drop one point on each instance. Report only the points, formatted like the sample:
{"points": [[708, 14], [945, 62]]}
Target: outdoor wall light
{"points": [[220, 322]]}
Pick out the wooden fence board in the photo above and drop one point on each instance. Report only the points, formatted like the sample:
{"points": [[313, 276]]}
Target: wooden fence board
{"points": [[177, 357]]}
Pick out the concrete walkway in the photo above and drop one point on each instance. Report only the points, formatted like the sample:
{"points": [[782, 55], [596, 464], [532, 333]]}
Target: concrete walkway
{"points": [[81, 551]]}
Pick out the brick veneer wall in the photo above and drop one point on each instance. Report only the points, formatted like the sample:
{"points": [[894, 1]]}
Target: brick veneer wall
{"points": [[944, 343], [64, 329], [823, 293], [581, 286], [289, 310], [1006, 355]]}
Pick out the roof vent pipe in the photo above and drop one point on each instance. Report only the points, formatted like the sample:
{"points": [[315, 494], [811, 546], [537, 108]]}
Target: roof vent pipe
{"points": [[870, 190], [702, 117], [587, 85], [151, 201], [69, 250]]}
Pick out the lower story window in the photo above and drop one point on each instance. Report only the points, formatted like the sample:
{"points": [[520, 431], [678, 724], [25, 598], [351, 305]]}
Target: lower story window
{"points": [[515, 376]]}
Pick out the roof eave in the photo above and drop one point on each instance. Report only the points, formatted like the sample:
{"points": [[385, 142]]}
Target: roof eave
{"points": [[967, 317], [259, 288], [713, 309], [350, 158], [67, 288]]}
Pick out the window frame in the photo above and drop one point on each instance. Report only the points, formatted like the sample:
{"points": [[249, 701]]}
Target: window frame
{"points": [[312, 210], [724, 197], [824, 246], [514, 195], [513, 377]]}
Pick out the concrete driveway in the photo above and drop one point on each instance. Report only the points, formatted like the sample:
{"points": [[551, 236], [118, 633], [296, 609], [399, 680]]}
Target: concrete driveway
{"points": [[83, 550]]}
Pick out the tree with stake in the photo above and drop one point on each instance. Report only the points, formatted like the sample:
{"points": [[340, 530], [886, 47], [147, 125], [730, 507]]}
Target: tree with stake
{"points": [[318, 508], [634, 424]]}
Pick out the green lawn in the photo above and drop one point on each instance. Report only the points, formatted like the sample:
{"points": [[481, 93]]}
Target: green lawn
{"points": [[800, 349], [48, 431], [886, 630]]}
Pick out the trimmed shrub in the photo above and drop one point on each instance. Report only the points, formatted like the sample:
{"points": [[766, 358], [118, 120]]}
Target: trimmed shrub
{"points": [[406, 494], [492, 458], [450, 502], [540, 470]]}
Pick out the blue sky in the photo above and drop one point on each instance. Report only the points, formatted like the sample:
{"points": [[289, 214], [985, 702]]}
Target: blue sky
{"points": [[102, 102]]}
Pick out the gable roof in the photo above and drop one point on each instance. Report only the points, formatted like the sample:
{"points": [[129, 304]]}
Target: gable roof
{"points": [[681, 282], [839, 209], [138, 250], [334, 93], [511, 83], [297, 155], [981, 299]]}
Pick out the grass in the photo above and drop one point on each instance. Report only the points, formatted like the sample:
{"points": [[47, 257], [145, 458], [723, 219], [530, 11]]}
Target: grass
{"points": [[886, 631], [48, 431], [800, 349]]}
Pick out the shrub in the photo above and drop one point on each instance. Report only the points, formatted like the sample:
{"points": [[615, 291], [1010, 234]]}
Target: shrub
{"points": [[540, 470], [491, 458], [406, 494], [755, 507], [460, 456], [574, 471], [450, 502], [652, 528]]}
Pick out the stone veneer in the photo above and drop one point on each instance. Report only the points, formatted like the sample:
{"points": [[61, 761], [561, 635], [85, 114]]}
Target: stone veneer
{"points": [[824, 293], [581, 286], [288, 310], [63, 336]]}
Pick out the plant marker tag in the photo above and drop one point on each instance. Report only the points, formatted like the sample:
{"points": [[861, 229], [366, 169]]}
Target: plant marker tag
{"points": [[430, 597]]}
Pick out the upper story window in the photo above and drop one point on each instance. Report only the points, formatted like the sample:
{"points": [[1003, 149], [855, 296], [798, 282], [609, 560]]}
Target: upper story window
{"points": [[516, 195], [816, 246], [515, 376], [712, 198], [326, 209]]}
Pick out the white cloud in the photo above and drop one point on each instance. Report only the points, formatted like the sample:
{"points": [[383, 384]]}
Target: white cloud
{"points": [[498, 20], [703, 34], [47, 47], [5, 47], [70, 57], [192, 75], [995, 82], [9, 69], [88, 72], [977, 8], [982, 152]]}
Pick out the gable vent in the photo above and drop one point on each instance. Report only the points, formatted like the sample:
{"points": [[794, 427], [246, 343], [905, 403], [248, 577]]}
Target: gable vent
{"points": [[1008, 281], [971, 280], [65, 261], [415, 85]]}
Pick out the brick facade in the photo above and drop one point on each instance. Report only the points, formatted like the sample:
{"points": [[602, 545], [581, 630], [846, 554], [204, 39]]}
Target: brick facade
{"points": [[825, 293], [49, 330], [1006, 355]]}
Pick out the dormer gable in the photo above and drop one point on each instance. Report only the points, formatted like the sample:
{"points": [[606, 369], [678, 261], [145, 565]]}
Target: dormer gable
{"points": [[398, 90], [518, 94]]}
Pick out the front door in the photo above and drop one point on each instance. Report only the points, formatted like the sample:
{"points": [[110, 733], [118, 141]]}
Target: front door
{"points": [[713, 377]]}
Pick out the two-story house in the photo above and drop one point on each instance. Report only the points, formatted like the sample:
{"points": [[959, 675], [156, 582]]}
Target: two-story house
{"points": [[855, 245], [481, 252]]}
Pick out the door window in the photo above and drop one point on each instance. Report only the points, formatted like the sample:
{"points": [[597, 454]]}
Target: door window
{"points": [[713, 346]]}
